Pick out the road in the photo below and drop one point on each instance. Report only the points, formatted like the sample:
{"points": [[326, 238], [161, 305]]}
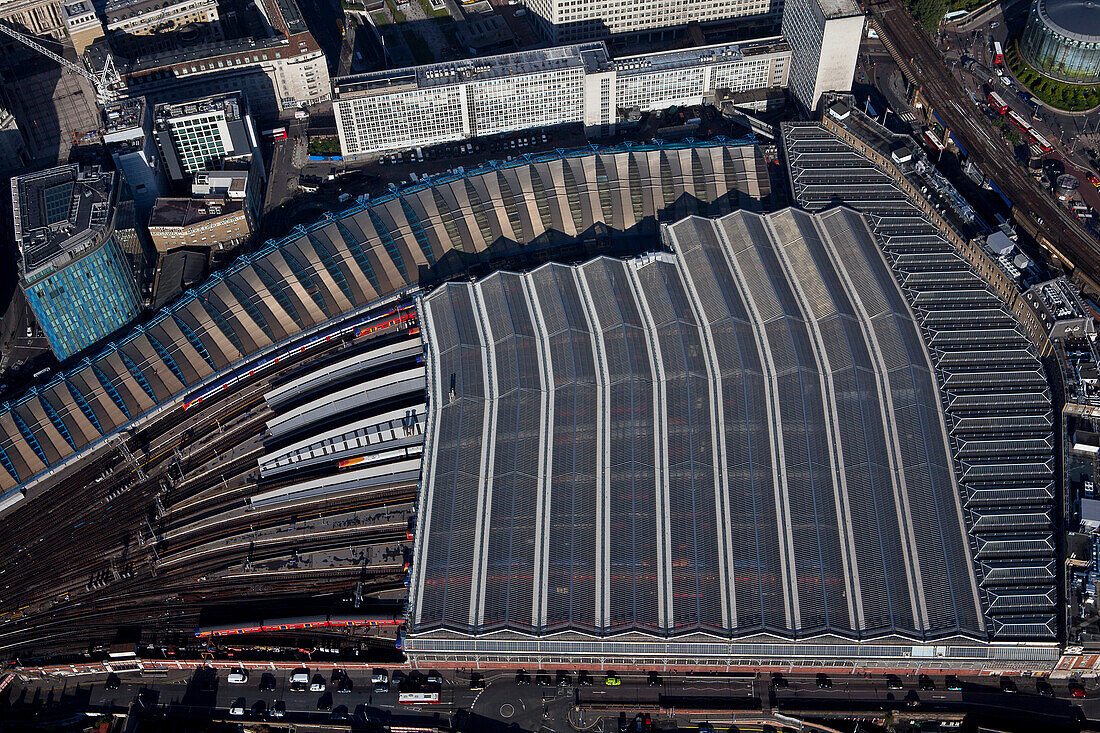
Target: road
{"points": [[207, 693], [1070, 244]]}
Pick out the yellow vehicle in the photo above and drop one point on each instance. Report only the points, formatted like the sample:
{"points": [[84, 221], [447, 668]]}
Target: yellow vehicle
{"points": [[613, 680]]}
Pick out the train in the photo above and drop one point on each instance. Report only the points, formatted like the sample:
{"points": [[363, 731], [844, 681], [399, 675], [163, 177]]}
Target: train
{"points": [[302, 622], [399, 316]]}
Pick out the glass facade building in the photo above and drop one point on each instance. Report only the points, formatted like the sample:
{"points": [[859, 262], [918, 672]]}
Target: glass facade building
{"points": [[85, 300], [73, 266], [1062, 40]]}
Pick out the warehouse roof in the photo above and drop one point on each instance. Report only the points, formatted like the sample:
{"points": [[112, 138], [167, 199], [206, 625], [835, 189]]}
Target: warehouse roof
{"points": [[743, 437]]}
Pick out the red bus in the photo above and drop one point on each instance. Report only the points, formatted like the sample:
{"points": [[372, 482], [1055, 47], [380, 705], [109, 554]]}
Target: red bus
{"points": [[279, 133], [1015, 118], [998, 54], [1039, 140], [933, 141], [997, 104]]}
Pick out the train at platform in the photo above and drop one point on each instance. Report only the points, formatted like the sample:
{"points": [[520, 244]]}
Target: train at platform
{"points": [[402, 316], [302, 622]]}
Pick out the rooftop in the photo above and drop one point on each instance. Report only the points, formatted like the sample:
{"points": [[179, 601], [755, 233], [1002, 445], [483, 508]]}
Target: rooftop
{"points": [[839, 8], [1076, 19], [688, 57], [591, 57], [229, 104], [712, 480], [182, 212], [59, 213], [125, 115], [994, 395], [116, 10], [918, 170]]}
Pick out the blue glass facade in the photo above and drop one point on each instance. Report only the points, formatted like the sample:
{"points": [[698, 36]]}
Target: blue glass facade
{"points": [[85, 300]]}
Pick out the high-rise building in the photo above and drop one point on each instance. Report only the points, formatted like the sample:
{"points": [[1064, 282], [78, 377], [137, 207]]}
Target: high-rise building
{"points": [[824, 37], [71, 267], [192, 135], [570, 21]]}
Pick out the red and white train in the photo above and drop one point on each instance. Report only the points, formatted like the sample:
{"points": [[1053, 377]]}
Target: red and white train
{"points": [[302, 622]]}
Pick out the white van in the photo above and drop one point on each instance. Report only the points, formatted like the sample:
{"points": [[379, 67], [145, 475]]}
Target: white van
{"points": [[300, 676], [237, 677]]}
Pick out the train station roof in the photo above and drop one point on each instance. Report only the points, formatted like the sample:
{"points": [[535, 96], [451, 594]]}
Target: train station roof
{"points": [[743, 437], [559, 204], [792, 436]]}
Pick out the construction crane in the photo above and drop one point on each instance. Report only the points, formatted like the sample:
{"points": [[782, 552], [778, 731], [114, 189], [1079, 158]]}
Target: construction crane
{"points": [[104, 82]]}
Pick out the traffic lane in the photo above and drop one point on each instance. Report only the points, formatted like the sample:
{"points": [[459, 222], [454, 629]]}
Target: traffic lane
{"points": [[187, 693]]}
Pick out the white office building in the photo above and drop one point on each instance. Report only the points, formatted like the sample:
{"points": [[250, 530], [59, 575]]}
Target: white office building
{"points": [[427, 105], [824, 36], [571, 21]]}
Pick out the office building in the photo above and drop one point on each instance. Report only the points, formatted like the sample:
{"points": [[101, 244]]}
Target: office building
{"points": [[197, 134], [128, 137], [824, 37], [580, 84], [281, 71], [211, 224], [36, 17], [73, 270], [222, 213], [81, 23], [572, 21], [146, 25]]}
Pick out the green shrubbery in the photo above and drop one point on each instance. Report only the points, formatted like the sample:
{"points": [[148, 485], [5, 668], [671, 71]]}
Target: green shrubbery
{"points": [[324, 145], [1070, 97]]}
